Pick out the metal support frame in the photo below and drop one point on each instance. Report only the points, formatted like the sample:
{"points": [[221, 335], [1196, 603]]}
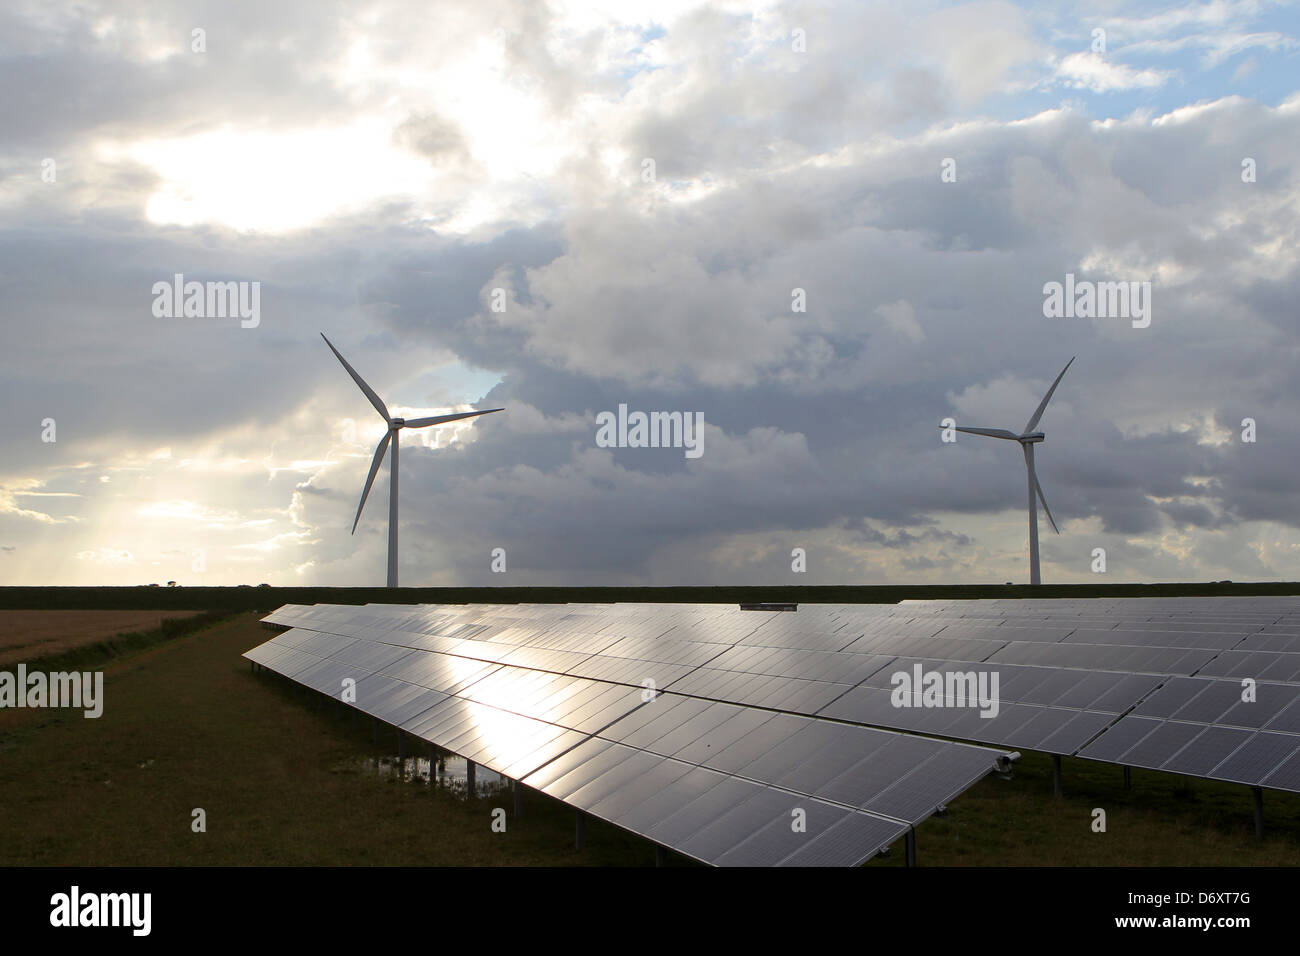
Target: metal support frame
{"points": [[471, 780], [433, 765], [1128, 778], [518, 788], [1258, 794], [401, 746], [910, 843], [661, 858], [1056, 775], [579, 829]]}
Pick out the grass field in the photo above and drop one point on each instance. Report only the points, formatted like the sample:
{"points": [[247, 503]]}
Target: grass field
{"points": [[28, 635], [281, 778]]}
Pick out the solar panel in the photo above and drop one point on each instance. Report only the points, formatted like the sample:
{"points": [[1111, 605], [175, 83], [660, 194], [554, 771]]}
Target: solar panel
{"points": [[1269, 700], [1272, 640], [708, 689], [1049, 686], [395, 701], [1257, 758], [688, 819], [1123, 693], [1082, 728], [779, 838], [1288, 721], [918, 794], [1153, 638], [326, 676], [736, 745], [1206, 750], [648, 784], [1286, 776], [1119, 739], [850, 842], [684, 790], [1161, 744], [1211, 703], [597, 779], [1171, 697], [728, 827]]}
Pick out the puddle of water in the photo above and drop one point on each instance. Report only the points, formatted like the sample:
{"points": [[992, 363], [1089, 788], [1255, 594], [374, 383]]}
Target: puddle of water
{"points": [[450, 771]]}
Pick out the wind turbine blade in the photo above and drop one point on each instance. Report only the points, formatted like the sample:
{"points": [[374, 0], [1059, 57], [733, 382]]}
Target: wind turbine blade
{"points": [[374, 469], [1044, 502], [991, 433], [1042, 406], [370, 392], [439, 419]]}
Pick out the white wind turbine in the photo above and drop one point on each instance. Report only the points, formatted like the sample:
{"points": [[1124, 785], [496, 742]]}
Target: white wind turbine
{"points": [[394, 426], [1028, 438]]}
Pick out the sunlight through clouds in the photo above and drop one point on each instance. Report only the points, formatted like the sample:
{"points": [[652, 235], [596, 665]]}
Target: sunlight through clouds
{"points": [[273, 181]]}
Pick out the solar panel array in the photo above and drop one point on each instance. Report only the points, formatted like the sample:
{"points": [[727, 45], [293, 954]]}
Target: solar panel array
{"points": [[1182, 704], [784, 702], [580, 702]]}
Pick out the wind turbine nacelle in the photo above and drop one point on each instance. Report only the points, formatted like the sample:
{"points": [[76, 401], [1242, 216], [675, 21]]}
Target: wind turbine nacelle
{"points": [[1033, 437], [400, 422]]}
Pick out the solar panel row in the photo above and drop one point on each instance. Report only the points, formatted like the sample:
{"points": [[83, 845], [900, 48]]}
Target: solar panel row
{"points": [[1067, 669], [838, 795]]}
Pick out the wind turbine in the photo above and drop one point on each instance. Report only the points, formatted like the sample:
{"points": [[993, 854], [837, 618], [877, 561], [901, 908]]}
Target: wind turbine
{"points": [[1028, 439], [395, 425]]}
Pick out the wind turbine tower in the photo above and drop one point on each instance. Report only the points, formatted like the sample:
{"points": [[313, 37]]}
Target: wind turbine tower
{"points": [[395, 425], [1028, 438]]}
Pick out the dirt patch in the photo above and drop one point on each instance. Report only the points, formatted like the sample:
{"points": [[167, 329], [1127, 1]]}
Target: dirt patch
{"points": [[27, 635]]}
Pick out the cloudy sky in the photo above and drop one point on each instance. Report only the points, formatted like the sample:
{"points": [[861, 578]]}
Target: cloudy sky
{"points": [[560, 208]]}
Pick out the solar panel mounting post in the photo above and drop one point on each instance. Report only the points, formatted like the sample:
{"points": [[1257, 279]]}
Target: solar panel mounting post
{"points": [[1128, 778], [579, 829], [909, 843], [518, 788], [470, 774], [1257, 793], [1056, 775]]}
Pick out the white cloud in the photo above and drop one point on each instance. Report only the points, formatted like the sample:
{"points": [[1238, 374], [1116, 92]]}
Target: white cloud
{"points": [[1092, 71], [902, 319]]}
